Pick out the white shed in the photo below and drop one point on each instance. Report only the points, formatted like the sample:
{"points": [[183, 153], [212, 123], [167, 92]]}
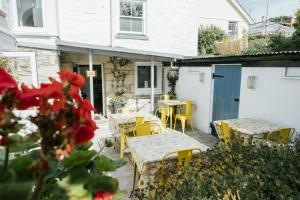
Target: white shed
{"points": [[264, 86]]}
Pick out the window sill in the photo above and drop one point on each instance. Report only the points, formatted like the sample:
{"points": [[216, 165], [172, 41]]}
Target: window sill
{"points": [[2, 13], [291, 78], [132, 36]]}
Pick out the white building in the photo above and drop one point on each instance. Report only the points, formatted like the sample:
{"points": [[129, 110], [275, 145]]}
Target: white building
{"points": [[263, 86], [83, 35]]}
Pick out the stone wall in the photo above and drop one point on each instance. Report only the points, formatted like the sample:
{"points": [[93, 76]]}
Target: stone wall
{"points": [[47, 64]]}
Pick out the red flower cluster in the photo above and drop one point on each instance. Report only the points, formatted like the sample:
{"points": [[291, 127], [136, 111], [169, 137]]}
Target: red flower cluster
{"points": [[63, 117], [102, 196]]}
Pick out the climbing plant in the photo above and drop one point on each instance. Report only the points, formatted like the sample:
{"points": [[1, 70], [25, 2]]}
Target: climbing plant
{"points": [[119, 74], [172, 77]]}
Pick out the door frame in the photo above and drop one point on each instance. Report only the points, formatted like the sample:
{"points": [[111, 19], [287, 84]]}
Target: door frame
{"points": [[103, 85], [212, 91]]}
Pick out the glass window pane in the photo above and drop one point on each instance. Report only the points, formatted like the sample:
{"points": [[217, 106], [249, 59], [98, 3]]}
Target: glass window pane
{"points": [[137, 25], [125, 8], [30, 13], [144, 76], [137, 9], [125, 24]]}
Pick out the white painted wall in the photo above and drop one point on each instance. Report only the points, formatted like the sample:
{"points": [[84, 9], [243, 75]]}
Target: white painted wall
{"points": [[275, 98], [190, 88]]}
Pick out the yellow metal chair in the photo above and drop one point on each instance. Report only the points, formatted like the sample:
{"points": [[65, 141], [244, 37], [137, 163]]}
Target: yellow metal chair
{"points": [[282, 136], [184, 158], [123, 110], [186, 116], [164, 115], [147, 128], [166, 97], [129, 131]]}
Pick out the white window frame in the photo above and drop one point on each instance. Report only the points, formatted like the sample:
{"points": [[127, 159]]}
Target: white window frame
{"points": [[230, 31], [147, 91], [31, 30], [143, 32]]}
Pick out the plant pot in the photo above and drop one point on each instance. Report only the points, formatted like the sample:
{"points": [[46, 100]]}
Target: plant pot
{"points": [[115, 107]]}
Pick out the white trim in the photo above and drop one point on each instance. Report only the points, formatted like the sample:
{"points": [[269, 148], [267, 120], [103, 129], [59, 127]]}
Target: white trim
{"points": [[242, 11], [32, 56], [103, 90], [22, 29], [91, 80], [147, 91]]}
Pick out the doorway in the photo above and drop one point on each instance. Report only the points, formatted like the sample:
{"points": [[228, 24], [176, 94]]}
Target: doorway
{"points": [[97, 82], [226, 96]]}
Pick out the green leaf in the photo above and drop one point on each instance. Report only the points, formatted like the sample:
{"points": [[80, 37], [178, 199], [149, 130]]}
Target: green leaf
{"points": [[79, 175], [120, 163], [84, 147], [20, 166], [102, 183], [102, 163], [15, 191], [79, 158]]}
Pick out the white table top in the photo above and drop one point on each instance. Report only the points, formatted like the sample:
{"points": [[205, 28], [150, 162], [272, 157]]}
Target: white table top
{"points": [[152, 148], [252, 126], [171, 102]]}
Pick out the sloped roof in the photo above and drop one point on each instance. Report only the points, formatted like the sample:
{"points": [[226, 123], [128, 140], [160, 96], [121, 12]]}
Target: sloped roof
{"points": [[273, 27], [241, 10]]}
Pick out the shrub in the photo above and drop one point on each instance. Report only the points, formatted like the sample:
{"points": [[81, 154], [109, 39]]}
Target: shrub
{"points": [[233, 172]]}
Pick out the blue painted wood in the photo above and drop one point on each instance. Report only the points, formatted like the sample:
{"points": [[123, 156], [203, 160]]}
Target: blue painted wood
{"points": [[226, 90]]}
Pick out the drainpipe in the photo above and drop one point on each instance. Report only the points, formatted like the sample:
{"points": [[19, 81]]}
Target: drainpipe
{"points": [[111, 23]]}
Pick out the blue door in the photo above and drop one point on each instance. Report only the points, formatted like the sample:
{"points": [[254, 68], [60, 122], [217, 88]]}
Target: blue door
{"points": [[227, 84]]}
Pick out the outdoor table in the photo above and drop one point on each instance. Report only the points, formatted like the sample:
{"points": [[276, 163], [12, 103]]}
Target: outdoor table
{"points": [[249, 127], [148, 151], [171, 104], [119, 120]]}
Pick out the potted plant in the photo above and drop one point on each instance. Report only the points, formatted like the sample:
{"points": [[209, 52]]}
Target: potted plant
{"points": [[117, 102]]}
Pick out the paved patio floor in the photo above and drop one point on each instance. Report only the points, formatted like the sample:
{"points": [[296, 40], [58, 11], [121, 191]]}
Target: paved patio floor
{"points": [[125, 173]]}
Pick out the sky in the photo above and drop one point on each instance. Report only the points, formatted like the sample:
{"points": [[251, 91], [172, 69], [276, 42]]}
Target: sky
{"points": [[257, 8]]}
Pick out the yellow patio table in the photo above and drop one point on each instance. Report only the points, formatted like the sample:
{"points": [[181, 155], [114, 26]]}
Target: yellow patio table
{"points": [[119, 121], [148, 152], [248, 127], [171, 104]]}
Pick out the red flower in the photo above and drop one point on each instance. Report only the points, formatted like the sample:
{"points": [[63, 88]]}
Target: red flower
{"points": [[6, 81], [83, 134], [3, 140], [28, 98], [102, 196], [76, 80], [52, 90]]}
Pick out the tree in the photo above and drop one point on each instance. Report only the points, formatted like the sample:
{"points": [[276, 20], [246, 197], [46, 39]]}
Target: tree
{"points": [[297, 21], [207, 37]]}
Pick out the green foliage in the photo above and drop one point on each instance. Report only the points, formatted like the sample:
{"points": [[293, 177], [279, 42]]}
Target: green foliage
{"points": [[233, 172], [172, 77], [20, 167], [15, 191], [102, 163], [256, 46], [297, 20], [207, 38], [79, 158], [102, 183]]}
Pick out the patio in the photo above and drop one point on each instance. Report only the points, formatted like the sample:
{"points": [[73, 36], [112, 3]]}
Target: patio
{"points": [[125, 173]]}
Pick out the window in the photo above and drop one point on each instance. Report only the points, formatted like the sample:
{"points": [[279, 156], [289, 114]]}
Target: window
{"points": [[143, 78], [292, 72], [233, 29], [132, 16], [30, 13]]}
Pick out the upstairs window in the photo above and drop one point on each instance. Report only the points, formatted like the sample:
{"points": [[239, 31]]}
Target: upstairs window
{"points": [[132, 16], [30, 13], [233, 29]]}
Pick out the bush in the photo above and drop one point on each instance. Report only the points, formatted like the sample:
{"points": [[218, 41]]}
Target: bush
{"points": [[207, 37], [233, 172]]}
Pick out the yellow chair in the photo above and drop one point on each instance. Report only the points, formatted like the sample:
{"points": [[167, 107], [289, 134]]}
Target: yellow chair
{"points": [[164, 115], [225, 129], [166, 97], [186, 116], [282, 136], [129, 131], [148, 128], [123, 110], [184, 158]]}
